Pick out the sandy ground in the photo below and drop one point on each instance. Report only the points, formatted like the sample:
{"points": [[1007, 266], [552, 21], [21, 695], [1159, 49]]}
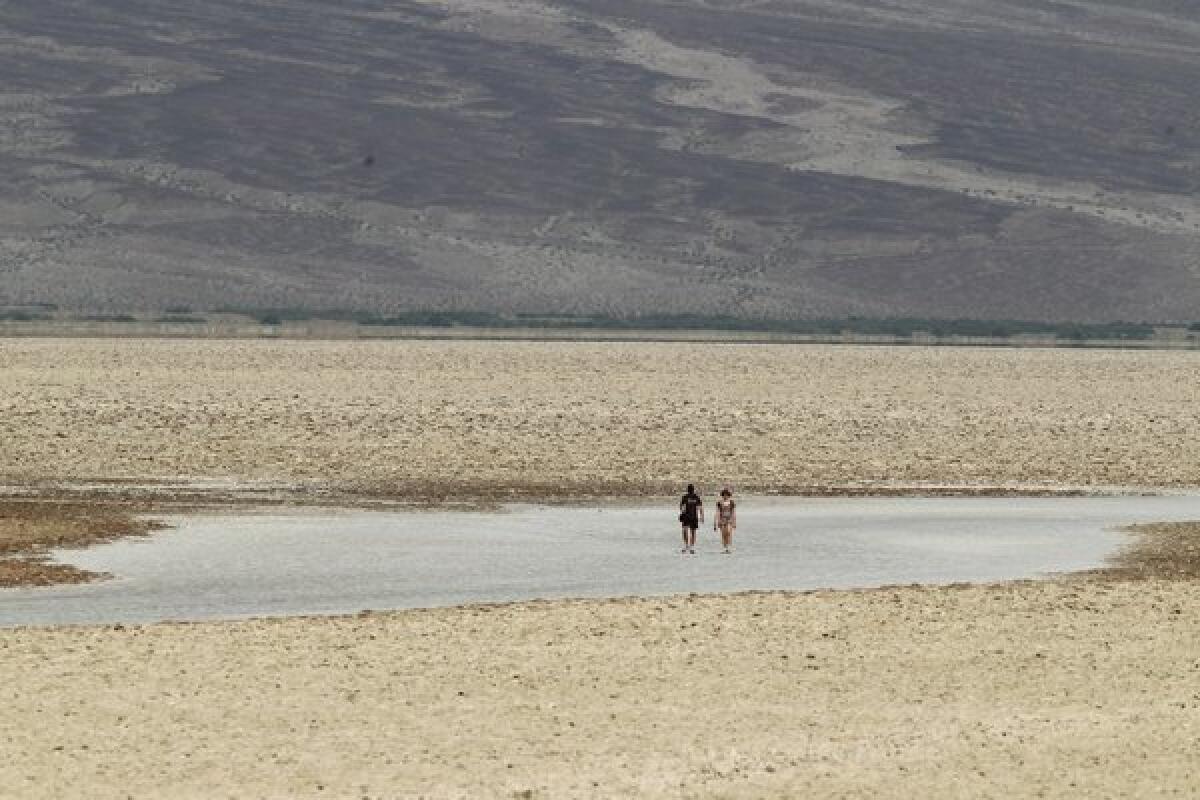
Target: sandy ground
{"points": [[1084, 686], [468, 418], [1051, 689]]}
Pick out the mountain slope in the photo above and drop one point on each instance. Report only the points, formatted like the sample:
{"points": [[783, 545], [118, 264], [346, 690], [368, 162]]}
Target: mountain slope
{"points": [[1011, 158]]}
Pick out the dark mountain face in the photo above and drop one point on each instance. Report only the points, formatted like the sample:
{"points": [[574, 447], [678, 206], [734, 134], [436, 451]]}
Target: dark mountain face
{"points": [[1008, 159]]}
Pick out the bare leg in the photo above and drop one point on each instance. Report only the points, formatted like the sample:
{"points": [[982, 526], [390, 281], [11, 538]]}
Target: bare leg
{"points": [[685, 538], [726, 536]]}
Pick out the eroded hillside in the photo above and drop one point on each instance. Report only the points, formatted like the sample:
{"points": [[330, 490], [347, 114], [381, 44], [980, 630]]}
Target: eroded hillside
{"points": [[1003, 159]]}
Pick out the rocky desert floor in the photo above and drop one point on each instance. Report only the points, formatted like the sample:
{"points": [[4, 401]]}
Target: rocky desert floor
{"points": [[1084, 686], [471, 420]]}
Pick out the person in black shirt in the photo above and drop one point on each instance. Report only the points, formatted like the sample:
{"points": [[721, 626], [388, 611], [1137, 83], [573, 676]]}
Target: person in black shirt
{"points": [[691, 514]]}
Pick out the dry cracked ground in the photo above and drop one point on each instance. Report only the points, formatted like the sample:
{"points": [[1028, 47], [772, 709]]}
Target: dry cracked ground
{"points": [[1065, 689], [431, 420], [1084, 686]]}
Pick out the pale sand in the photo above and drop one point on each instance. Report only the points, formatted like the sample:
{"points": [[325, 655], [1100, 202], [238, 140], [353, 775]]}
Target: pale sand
{"points": [[1069, 688], [1050, 689], [424, 418]]}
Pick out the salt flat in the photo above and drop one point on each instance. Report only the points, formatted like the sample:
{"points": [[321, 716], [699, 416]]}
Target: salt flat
{"points": [[1064, 688], [529, 420], [322, 561]]}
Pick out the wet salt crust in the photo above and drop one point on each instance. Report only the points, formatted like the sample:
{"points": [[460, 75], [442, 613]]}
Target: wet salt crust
{"points": [[328, 562]]}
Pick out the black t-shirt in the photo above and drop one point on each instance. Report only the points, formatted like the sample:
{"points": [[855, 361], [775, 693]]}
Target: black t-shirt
{"points": [[690, 505]]}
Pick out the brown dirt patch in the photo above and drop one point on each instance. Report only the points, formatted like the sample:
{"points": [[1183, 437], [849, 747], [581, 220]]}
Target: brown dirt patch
{"points": [[31, 528], [1161, 551], [37, 572]]}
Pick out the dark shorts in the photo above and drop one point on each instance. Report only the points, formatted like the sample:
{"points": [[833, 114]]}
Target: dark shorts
{"points": [[690, 521]]}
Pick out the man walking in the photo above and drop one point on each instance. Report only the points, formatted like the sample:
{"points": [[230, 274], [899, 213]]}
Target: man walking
{"points": [[691, 515]]}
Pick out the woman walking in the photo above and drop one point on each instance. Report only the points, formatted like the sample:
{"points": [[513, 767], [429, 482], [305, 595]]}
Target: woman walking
{"points": [[691, 514], [726, 519]]}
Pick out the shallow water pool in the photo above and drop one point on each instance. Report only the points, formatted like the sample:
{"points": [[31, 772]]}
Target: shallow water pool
{"points": [[328, 562]]}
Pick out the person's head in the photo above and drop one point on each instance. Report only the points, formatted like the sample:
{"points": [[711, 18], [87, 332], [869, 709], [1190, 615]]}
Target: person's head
{"points": [[726, 493], [691, 489]]}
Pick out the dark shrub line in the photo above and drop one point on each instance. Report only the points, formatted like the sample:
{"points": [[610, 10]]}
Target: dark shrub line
{"points": [[894, 326]]}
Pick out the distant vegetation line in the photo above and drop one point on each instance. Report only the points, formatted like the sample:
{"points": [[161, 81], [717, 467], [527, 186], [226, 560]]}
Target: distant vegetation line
{"points": [[830, 326], [895, 326]]}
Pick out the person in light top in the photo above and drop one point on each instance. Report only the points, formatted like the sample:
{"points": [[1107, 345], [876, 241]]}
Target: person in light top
{"points": [[726, 520]]}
